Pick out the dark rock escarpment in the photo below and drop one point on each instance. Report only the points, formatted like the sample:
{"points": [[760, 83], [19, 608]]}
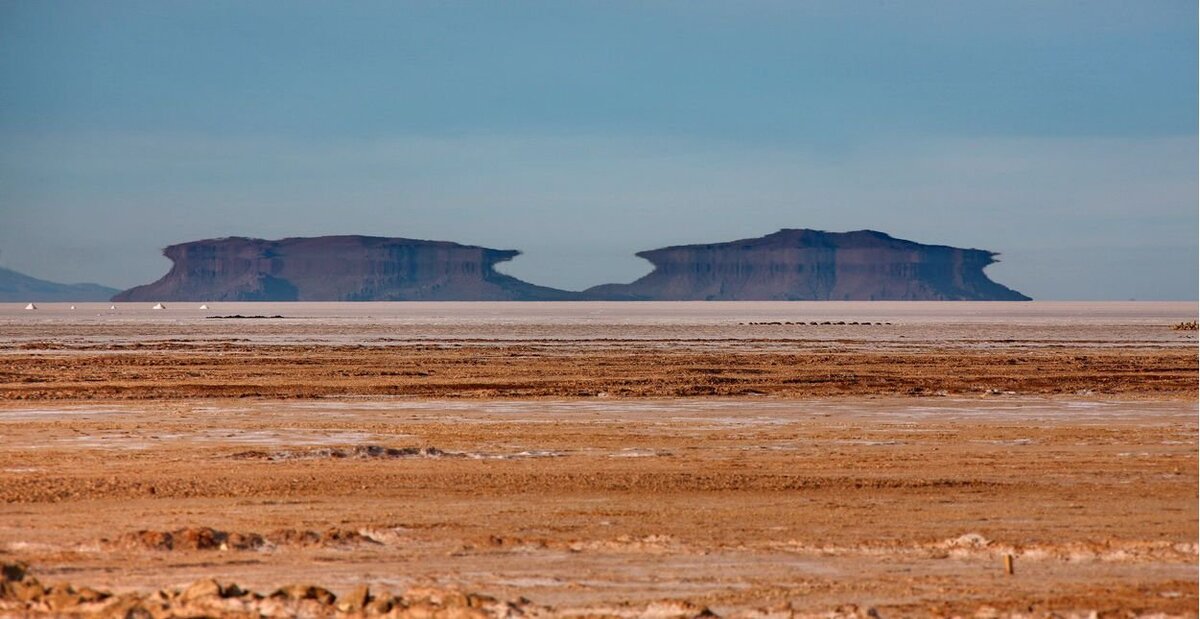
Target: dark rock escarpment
{"points": [[814, 265], [21, 288], [788, 265], [337, 268]]}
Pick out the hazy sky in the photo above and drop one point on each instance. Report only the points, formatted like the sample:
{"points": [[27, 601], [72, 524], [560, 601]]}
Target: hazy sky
{"points": [[1061, 134]]}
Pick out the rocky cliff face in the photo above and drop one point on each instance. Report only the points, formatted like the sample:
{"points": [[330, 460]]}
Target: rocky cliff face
{"points": [[336, 268], [787, 265], [813, 265], [21, 288]]}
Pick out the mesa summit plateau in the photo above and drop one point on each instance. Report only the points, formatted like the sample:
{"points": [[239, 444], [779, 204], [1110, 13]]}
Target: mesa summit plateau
{"points": [[791, 264]]}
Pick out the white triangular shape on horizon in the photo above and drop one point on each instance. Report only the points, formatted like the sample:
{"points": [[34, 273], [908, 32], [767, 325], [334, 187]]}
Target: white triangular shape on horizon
{"points": [[159, 306], [31, 307], [112, 307], [203, 307]]}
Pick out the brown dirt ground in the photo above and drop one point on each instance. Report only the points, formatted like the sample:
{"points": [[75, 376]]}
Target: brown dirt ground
{"points": [[801, 490], [171, 371]]}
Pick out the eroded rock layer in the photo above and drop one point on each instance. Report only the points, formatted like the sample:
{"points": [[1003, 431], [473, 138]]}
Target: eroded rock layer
{"points": [[799, 264], [336, 268]]}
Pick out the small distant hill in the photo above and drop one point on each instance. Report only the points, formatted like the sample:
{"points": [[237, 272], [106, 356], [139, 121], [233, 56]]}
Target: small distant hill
{"points": [[20, 288]]}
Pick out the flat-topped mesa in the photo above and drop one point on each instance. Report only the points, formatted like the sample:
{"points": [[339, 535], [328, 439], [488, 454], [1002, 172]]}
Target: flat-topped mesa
{"points": [[337, 268], [792, 264]]}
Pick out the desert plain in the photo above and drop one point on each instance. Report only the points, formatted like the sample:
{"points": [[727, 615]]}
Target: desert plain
{"points": [[599, 459]]}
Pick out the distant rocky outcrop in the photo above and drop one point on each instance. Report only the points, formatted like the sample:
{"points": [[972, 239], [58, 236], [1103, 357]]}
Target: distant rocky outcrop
{"points": [[18, 287], [800, 264], [337, 268], [788, 265]]}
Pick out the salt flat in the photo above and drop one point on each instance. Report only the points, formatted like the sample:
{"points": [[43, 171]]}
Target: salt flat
{"points": [[606, 459]]}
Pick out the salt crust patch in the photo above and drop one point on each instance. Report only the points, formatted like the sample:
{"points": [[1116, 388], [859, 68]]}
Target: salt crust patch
{"points": [[974, 545]]}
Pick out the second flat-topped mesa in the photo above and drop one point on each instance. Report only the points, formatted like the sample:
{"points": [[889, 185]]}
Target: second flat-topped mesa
{"points": [[337, 268], [801, 264]]}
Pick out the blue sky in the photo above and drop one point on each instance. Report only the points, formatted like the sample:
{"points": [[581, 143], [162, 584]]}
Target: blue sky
{"points": [[1061, 134]]}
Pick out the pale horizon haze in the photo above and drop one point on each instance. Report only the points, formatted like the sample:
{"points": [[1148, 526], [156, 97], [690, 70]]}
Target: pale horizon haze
{"points": [[1062, 135]]}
